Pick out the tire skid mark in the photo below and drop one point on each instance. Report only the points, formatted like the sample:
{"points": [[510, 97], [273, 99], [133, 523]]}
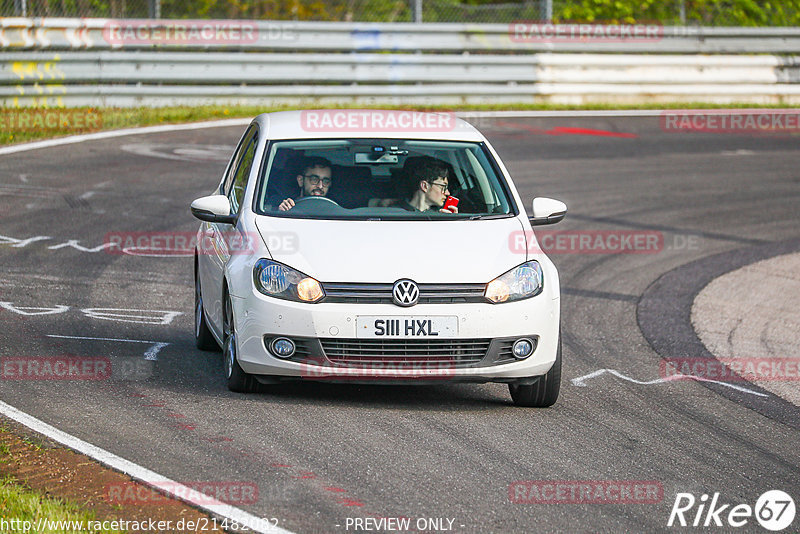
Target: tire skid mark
{"points": [[224, 444], [507, 128], [350, 502]]}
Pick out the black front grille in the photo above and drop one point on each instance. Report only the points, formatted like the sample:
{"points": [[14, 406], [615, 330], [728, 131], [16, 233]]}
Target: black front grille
{"points": [[382, 293], [402, 353], [358, 293], [504, 351], [367, 352]]}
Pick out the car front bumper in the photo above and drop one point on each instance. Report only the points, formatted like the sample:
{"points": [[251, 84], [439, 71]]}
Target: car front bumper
{"points": [[319, 329]]}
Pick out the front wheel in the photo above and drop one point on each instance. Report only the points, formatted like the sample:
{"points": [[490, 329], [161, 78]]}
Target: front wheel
{"points": [[544, 392], [235, 377]]}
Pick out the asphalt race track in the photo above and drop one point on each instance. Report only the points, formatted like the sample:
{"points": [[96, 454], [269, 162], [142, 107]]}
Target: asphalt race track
{"points": [[320, 453]]}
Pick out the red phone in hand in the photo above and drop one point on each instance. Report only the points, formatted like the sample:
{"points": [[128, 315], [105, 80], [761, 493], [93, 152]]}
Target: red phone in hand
{"points": [[451, 202]]}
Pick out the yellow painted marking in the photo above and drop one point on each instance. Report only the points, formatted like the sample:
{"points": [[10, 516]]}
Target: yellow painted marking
{"points": [[35, 69]]}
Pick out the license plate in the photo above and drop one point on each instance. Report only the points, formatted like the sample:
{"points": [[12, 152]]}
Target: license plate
{"points": [[420, 327]]}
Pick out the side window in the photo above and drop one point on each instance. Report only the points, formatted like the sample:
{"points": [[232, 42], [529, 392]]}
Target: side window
{"points": [[236, 193], [230, 173]]}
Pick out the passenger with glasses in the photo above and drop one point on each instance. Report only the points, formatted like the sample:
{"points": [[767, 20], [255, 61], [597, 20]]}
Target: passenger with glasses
{"points": [[314, 180], [428, 183]]}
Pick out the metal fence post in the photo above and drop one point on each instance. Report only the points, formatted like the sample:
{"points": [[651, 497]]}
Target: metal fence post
{"points": [[548, 10], [21, 8], [416, 10], [154, 9]]}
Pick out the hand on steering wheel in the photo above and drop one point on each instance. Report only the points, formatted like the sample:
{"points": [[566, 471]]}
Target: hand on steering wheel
{"points": [[315, 197]]}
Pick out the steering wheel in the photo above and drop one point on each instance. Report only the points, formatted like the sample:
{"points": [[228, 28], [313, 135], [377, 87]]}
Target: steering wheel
{"points": [[306, 199]]}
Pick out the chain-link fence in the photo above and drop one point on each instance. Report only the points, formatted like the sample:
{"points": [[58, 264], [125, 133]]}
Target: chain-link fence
{"points": [[666, 12]]}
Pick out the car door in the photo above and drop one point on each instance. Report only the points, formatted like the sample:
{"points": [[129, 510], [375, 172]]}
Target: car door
{"points": [[217, 236]]}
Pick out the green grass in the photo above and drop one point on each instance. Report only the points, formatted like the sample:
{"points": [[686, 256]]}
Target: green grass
{"points": [[5, 453], [18, 503], [116, 118], [35, 443]]}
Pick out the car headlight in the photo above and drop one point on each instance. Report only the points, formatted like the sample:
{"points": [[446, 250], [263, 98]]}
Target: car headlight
{"points": [[280, 281], [519, 283]]}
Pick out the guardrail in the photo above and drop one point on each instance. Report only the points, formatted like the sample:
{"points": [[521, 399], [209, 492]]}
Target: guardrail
{"points": [[74, 62], [100, 34]]}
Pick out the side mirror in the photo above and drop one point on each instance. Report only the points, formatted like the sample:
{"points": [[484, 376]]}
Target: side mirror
{"points": [[547, 211], [214, 208]]}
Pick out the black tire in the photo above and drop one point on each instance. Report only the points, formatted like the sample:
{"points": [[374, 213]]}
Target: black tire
{"points": [[542, 393], [236, 378], [203, 338]]}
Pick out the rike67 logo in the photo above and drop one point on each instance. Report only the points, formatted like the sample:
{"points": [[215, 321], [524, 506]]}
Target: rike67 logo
{"points": [[774, 510]]}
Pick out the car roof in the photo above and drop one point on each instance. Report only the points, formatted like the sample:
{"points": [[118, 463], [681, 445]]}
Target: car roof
{"points": [[366, 123]]}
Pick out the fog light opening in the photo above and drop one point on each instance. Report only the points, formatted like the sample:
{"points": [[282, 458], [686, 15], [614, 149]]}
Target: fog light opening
{"points": [[282, 347], [523, 348]]}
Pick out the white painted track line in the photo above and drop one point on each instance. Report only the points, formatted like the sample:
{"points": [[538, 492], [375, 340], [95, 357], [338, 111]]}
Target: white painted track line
{"points": [[24, 147], [145, 475], [142, 474], [532, 114], [150, 478]]}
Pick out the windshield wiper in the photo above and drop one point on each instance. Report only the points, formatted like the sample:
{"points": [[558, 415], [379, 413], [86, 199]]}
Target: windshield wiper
{"points": [[487, 216]]}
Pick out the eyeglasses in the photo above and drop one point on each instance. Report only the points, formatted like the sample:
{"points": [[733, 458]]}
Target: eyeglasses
{"points": [[445, 187], [314, 179]]}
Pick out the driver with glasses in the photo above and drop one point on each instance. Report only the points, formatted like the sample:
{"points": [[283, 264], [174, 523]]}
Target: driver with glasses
{"points": [[314, 180]]}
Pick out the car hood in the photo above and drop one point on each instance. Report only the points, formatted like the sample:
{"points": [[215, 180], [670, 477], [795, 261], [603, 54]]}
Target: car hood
{"points": [[460, 251]]}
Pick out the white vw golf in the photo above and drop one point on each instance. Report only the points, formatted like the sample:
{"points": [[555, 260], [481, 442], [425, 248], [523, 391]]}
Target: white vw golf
{"points": [[367, 246]]}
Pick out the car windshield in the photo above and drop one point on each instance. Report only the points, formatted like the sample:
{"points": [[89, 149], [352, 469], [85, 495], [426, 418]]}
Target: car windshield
{"points": [[381, 179]]}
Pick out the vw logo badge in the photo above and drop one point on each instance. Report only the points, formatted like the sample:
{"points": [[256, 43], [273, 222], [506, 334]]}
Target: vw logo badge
{"points": [[405, 293]]}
